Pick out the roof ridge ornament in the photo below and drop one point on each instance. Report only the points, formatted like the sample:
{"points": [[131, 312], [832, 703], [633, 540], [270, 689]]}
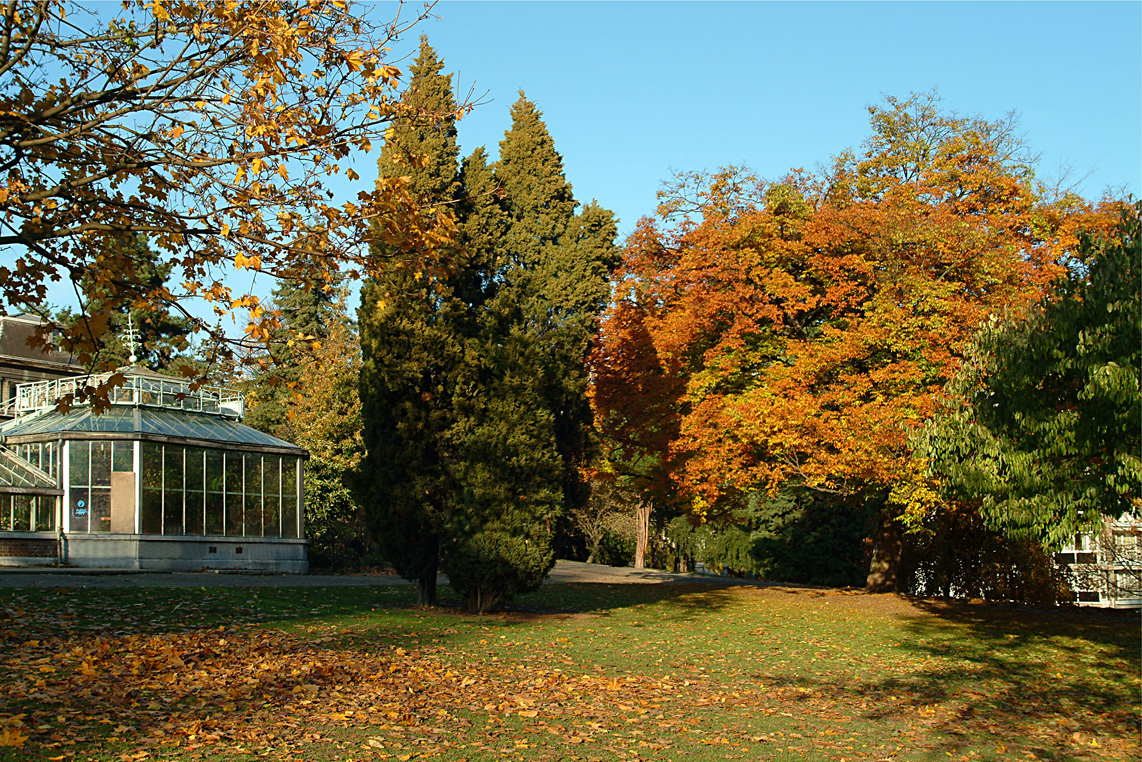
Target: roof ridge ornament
{"points": [[132, 340]]}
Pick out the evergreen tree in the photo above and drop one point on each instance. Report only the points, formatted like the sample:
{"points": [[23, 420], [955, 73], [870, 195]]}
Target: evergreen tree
{"points": [[560, 264], [410, 346], [497, 539], [160, 336], [473, 382], [307, 317]]}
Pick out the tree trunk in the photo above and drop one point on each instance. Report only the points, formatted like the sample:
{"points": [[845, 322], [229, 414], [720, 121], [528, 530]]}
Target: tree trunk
{"points": [[643, 528], [426, 584], [594, 551], [479, 601], [884, 569]]}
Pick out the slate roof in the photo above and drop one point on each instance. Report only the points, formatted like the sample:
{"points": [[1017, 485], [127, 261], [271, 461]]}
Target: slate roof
{"points": [[14, 334]]}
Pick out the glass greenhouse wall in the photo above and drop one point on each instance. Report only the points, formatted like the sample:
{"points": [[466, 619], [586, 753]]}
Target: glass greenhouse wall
{"points": [[27, 513], [203, 491], [167, 478]]}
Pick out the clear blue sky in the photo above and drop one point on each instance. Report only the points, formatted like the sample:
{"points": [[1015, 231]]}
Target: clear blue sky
{"points": [[632, 91]]}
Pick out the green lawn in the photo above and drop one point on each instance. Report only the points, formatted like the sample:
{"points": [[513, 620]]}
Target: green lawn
{"points": [[575, 672]]}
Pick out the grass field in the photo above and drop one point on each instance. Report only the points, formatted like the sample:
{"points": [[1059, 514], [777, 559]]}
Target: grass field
{"points": [[576, 672]]}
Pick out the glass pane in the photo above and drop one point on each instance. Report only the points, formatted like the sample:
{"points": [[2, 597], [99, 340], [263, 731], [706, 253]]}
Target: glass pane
{"points": [[195, 498], [172, 489], [148, 391], [233, 494], [101, 464], [100, 509], [152, 466], [50, 451], [214, 493], [289, 497], [80, 505], [5, 512], [152, 511], [123, 456], [45, 513], [77, 464], [271, 510], [253, 495], [22, 513]]}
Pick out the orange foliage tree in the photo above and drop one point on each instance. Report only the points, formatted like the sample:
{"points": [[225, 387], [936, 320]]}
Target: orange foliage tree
{"points": [[794, 332], [213, 128]]}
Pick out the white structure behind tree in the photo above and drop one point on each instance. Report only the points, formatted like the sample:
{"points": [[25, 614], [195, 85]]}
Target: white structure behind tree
{"points": [[1106, 569]]}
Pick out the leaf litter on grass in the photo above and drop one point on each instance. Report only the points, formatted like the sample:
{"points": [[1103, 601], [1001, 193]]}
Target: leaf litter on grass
{"points": [[768, 675]]}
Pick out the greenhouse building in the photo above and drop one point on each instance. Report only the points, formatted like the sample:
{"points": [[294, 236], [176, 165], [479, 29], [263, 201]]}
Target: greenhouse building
{"points": [[166, 478]]}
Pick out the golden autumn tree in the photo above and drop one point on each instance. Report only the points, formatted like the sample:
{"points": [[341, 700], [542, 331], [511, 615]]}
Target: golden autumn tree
{"points": [[813, 322], [213, 128]]}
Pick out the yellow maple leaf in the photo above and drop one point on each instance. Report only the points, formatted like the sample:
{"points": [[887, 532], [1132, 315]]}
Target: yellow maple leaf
{"points": [[12, 738]]}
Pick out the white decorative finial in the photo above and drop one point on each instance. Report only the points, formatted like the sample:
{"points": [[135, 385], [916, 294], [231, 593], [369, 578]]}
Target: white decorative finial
{"points": [[132, 338]]}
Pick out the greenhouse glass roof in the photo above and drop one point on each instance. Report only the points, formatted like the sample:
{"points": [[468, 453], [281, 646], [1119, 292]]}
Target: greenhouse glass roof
{"points": [[22, 475], [142, 420]]}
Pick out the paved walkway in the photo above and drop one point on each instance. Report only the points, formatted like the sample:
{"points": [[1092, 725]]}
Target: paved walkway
{"points": [[563, 573]]}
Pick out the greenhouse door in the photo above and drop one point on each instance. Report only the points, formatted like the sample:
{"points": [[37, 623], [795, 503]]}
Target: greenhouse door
{"points": [[122, 502]]}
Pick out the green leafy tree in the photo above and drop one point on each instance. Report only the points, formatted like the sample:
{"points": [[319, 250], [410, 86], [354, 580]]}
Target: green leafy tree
{"points": [[1042, 422]]}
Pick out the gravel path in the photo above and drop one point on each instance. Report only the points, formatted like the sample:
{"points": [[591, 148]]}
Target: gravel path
{"points": [[563, 573]]}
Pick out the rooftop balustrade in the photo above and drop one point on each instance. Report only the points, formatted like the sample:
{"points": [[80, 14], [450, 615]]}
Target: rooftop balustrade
{"points": [[137, 390]]}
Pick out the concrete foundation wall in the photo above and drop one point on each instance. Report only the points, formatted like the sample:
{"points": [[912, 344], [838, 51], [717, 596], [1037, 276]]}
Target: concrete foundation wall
{"points": [[128, 551]]}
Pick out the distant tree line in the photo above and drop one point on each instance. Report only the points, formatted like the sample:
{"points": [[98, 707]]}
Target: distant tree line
{"points": [[792, 372]]}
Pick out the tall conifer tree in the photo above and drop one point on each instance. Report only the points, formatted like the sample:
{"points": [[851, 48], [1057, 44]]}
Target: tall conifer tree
{"points": [[498, 539], [410, 346], [473, 387], [560, 263], [161, 334]]}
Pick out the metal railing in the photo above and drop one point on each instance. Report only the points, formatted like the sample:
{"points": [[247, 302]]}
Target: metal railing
{"points": [[145, 391]]}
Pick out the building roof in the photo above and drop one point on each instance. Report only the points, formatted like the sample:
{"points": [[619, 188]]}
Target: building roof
{"points": [[135, 386], [143, 422], [15, 330], [20, 476], [144, 405]]}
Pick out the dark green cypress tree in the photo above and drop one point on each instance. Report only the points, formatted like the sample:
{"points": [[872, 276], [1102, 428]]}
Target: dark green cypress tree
{"points": [[473, 383], [560, 264], [410, 346], [497, 540]]}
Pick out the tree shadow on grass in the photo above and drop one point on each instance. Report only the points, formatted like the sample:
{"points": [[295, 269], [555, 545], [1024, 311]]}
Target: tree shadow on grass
{"points": [[387, 615], [1050, 684]]}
